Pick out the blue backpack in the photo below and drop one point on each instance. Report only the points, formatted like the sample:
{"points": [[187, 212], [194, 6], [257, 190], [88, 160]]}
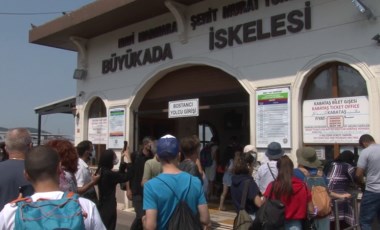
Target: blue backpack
{"points": [[65, 213]]}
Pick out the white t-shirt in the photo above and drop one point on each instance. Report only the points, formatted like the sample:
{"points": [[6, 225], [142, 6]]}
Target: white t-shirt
{"points": [[83, 175], [93, 220], [264, 175], [369, 160]]}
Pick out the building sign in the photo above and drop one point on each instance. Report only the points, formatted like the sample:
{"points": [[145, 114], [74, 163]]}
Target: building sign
{"points": [[116, 127], [273, 117], [281, 24], [291, 22], [184, 108], [97, 130], [335, 120]]}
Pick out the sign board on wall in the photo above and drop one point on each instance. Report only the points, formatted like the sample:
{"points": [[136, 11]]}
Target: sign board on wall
{"points": [[97, 130], [116, 127], [273, 117], [335, 120], [184, 108]]}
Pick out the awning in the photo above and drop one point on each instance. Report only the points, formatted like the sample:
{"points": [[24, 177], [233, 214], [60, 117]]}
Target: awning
{"points": [[61, 106], [67, 106]]}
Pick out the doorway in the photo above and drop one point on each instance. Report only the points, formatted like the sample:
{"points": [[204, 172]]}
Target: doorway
{"points": [[223, 105]]}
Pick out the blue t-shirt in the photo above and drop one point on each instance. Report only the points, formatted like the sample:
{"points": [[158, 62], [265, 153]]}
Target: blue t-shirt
{"points": [[312, 171], [158, 196], [299, 174]]}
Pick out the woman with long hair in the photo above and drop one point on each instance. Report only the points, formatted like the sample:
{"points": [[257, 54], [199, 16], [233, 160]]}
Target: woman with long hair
{"points": [[340, 183], [107, 186], [69, 162], [243, 167], [292, 192]]}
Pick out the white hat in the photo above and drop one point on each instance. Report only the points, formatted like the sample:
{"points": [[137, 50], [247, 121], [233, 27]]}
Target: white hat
{"points": [[249, 148]]}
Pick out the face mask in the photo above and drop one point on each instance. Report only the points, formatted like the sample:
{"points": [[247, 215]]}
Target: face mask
{"points": [[115, 160], [92, 153]]}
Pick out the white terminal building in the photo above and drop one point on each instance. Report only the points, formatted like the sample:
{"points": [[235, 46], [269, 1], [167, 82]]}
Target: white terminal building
{"points": [[302, 73]]}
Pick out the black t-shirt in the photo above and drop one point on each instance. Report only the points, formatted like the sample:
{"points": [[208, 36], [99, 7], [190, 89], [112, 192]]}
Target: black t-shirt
{"points": [[138, 172], [237, 188], [11, 179]]}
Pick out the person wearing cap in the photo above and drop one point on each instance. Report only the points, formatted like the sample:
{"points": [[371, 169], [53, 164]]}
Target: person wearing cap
{"points": [[256, 164], [268, 172], [162, 193], [309, 165], [369, 165]]}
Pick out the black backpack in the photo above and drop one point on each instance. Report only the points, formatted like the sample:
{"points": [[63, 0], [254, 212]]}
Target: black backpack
{"points": [[271, 215], [183, 217]]}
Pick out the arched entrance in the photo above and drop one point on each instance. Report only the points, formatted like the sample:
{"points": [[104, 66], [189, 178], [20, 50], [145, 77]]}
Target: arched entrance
{"points": [[223, 104], [335, 109]]}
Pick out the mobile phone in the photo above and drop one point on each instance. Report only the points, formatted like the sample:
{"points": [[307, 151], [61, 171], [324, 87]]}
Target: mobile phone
{"points": [[26, 190], [125, 145]]}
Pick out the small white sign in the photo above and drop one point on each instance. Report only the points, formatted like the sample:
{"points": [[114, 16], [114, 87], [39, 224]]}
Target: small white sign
{"points": [[321, 153], [98, 130], [184, 108], [335, 120]]}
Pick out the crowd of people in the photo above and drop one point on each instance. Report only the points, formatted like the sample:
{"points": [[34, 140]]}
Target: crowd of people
{"points": [[168, 171]]}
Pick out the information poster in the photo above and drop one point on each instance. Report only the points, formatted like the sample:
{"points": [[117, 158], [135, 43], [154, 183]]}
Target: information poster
{"points": [[335, 120], [97, 130], [116, 127], [273, 117]]}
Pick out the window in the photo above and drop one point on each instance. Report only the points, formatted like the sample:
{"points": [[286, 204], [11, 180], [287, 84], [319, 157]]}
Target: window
{"points": [[334, 80], [205, 133]]}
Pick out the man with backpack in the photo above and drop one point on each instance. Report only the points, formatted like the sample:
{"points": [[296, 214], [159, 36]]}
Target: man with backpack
{"points": [[170, 194], [308, 171], [48, 207]]}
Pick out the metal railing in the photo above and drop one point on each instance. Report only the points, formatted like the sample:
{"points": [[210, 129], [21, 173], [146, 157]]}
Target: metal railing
{"points": [[354, 202]]}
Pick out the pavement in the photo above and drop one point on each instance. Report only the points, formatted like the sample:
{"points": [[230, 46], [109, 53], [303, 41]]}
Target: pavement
{"points": [[221, 220]]}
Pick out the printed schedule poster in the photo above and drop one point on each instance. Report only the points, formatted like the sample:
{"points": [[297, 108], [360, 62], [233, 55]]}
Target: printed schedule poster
{"points": [[335, 120], [97, 130], [116, 127], [273, 117]]}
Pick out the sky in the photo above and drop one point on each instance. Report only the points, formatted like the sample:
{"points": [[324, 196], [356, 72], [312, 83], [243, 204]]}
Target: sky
{"points": [[33, 75]]}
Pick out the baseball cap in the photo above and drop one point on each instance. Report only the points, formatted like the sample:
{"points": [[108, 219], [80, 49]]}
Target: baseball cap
{"points": [[167, 147]]}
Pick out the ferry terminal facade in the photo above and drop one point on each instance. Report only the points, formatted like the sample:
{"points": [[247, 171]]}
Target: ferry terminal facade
{"points": [[296, 72]]}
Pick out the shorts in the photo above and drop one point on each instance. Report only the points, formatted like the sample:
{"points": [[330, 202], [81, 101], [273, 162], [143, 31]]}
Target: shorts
{"points": [[227, 179], [211, 172]]}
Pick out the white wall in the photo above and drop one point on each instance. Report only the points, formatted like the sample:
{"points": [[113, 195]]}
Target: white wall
{"points": [[339, 32]]}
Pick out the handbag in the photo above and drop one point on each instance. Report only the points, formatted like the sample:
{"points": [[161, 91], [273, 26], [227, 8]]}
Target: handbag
{"points": [[243, 220], [308, 223], [271, 215]]}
